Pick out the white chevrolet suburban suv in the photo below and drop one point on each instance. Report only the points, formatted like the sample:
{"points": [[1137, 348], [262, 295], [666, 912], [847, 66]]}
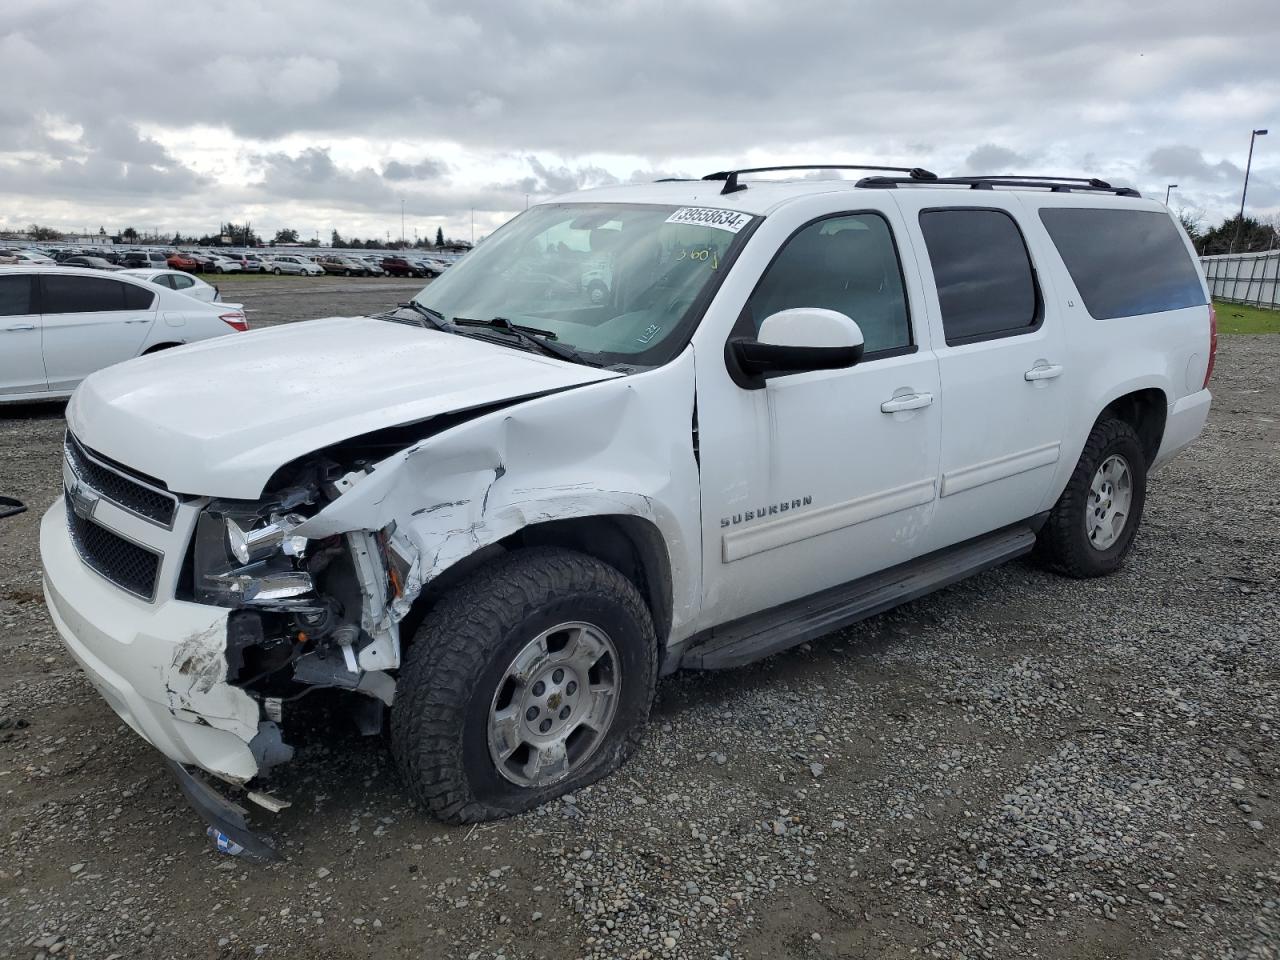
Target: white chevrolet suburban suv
{"points": [[501, 511]]}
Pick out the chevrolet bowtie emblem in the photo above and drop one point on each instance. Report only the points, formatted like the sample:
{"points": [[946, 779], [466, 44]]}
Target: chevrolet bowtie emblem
{"points": [[83, 500]]}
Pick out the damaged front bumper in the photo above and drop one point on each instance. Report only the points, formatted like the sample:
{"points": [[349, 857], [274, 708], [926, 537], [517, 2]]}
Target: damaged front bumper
{"points": [[220, 813], [161, 666]]}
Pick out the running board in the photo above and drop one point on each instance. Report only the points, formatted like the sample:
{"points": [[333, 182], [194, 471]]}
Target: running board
{"points": [[772, 631]]}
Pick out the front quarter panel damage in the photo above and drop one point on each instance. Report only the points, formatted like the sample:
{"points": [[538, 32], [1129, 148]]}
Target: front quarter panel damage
{"points": [[618, 447]]}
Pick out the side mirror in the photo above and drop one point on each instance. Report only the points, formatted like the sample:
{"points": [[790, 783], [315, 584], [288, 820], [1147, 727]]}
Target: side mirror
{"points": [[799, 340]]}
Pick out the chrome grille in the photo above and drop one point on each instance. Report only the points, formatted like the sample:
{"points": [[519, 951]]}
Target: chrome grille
{"points": [[128, 565], [125, 491]]}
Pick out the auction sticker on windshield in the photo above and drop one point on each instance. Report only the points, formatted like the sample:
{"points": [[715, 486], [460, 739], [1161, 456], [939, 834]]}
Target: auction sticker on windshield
{"points": [[729, 220]]}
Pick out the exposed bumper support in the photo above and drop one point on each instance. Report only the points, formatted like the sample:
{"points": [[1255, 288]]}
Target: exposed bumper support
{"points": [[221, 813]]}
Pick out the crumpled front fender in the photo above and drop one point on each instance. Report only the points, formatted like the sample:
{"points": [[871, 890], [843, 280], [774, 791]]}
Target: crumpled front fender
{"points": [[619, 447]]}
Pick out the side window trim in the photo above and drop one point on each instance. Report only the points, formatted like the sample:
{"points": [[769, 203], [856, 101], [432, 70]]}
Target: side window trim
{"points": [[744, 326], [1031, 261]]}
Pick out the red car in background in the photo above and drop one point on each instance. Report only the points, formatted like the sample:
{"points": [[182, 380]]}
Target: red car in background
{"points": [[400, 267], [180, 261]]}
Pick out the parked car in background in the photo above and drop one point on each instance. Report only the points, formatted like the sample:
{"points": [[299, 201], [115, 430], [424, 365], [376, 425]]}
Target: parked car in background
{"points": [[429, 266], [374, 265], [92, 263], [225, 264], [134, 259], [179, 280], [344, 266], [7, 258], [400, 267], [293, 264], [204, 261], [255, 264], [32, 258], [239, 259], [182, 261], [62, 323]]}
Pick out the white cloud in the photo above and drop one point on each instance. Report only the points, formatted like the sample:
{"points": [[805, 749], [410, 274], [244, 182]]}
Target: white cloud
{"points": [[317, 114]]}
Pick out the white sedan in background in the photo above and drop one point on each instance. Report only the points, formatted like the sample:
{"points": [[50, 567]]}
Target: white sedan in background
{"points": [[60, 324], [288, 263], [29, 258], [177, 280]]}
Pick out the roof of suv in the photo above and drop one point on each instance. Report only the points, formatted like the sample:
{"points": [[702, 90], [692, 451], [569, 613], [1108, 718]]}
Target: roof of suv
{"points": [[761, 197]]}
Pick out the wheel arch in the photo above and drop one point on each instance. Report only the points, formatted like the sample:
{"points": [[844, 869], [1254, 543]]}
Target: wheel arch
{"points": [[632, 545], [166, 345], [1145, 410]]}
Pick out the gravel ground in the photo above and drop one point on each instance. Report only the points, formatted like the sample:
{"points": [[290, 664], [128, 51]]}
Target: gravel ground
{"points": [[1021, 765]]}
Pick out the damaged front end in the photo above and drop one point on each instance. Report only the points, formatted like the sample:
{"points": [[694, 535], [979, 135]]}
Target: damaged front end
{"points": [[305, 614]]}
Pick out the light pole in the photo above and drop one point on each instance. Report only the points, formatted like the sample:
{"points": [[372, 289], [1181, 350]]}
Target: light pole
{"points": [[473, 226], [1166, 192], [402, 221], [1245, 192]]}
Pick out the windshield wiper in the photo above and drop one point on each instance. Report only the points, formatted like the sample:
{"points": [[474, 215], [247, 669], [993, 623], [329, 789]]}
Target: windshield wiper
{"points": [[426, 315], [544, 340]]}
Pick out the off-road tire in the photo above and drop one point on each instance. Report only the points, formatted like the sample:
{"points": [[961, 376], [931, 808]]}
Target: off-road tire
{"points": [[459, 655], [1063, 541]]}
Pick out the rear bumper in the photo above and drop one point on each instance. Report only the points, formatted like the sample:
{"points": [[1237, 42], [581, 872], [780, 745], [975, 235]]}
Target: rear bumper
{"points": [[161, 666], [1185, 420]]}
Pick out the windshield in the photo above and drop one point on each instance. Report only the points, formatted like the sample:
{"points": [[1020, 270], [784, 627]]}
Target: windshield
{"points": [[624, 282]]}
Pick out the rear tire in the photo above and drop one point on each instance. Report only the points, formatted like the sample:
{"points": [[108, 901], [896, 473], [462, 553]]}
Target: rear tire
{"points": [[482, 674], [276, 271], [1091, 528]]}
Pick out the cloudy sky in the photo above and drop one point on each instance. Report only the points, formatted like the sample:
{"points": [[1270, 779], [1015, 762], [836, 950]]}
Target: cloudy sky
{"points": [[316, 114]]}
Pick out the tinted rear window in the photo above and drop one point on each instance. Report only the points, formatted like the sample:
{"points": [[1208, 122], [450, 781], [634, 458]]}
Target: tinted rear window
{"points": [[15, 296], [1124, 262], [72, 294]]}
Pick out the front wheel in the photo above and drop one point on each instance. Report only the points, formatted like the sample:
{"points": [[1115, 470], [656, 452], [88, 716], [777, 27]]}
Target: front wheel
{"points": [[1091, 528], [531, 679]]}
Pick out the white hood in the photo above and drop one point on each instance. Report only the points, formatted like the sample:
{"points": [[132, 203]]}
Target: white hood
{"points": [[219, 417]]}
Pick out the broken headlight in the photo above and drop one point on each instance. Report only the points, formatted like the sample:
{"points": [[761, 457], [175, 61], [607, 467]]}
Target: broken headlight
{"points": [[249, 556]]}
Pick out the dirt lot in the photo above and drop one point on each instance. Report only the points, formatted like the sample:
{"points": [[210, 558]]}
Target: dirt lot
{"points": [[1019, 766]]}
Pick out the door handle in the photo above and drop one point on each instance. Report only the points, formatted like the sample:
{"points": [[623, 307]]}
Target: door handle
{"points": [[911, 401], [16, 328], [139, 320], [1045, 371]]}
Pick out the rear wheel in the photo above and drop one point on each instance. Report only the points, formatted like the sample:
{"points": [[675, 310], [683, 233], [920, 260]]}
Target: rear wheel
{"points": [[276, 271], [531, 679], [1091, 528]]}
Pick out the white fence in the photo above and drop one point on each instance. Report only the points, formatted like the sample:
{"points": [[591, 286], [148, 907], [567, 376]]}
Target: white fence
{"points": [[1244, 277]]}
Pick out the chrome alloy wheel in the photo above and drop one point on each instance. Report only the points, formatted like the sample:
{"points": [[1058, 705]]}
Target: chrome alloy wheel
{"points": [[1110, 497], [554, 705]]}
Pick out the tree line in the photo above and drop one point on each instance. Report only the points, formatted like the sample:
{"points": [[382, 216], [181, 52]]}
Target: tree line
{"points": [[1232, 235]]}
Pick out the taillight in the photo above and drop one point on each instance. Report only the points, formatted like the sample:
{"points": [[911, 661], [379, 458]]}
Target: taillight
{"points": [[1213, 345], [236, 321]]}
